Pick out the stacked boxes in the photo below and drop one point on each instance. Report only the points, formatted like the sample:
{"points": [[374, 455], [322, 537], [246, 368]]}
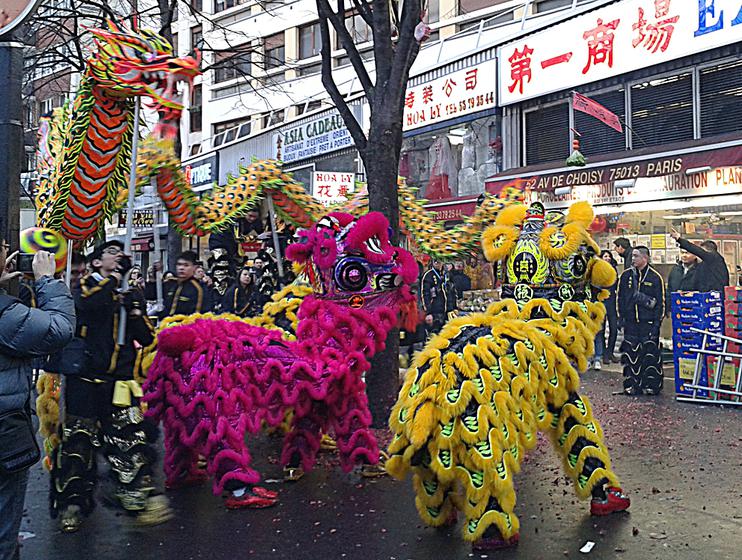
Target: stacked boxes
{"points": [[733, 316], [700, 310]]}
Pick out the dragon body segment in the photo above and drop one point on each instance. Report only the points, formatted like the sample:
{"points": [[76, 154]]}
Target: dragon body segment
{"points": [[84, 159]]}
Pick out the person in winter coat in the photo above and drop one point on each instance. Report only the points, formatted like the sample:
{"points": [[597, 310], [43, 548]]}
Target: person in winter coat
{"points": [[241, 298], [461, 282], [641, 308], [682, 277], [25, 334], [603, 349], [712, 274], [622, 246]]}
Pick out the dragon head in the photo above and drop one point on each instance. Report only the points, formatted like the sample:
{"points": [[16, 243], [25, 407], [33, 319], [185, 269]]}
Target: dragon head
{"points": [[351, 260], [131, 62]]}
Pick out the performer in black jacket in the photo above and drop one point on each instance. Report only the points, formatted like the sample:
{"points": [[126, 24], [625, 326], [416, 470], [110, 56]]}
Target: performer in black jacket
{"points": [[102, 403], [183, 295], [641, 307], [435, 294]]}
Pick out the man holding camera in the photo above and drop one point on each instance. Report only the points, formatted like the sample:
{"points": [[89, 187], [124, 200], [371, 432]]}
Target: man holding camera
{"points": [[641, 307], [25, 334]]}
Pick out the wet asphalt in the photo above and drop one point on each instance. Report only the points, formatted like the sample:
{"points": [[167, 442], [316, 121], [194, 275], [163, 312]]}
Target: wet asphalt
{"points": [[681, 464]]}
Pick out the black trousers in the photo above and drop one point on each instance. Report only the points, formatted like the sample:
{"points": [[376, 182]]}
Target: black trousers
{"points": [[642, 359], [93, 423]]}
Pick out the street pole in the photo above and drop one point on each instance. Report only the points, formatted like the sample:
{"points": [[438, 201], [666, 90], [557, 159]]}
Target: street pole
{"points": [[11, 137], [130, 215], [276, 244]]}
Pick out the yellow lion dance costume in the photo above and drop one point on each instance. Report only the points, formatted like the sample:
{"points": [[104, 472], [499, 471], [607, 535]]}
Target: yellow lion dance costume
{"points": [[476, 396]]}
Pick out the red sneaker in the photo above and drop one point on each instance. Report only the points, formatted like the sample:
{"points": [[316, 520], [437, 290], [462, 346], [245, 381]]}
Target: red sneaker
{"points": [[495, 543], [264, 492], [187, 481], [615, 501], [249, 501]]}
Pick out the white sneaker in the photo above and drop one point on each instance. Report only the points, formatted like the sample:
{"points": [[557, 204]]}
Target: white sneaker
{"points": [[598, 365]]}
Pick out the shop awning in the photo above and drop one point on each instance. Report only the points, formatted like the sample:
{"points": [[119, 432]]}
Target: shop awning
{"points": [[630, 166]]}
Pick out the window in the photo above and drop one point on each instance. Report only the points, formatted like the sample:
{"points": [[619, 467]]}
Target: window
{"points": [[197, 5], [359, 30], [662, 111], [450, 162], [308, 107], [195, 149], [244, 129], [197, 38], [231, 65], [29, 114], [597, 137], [548, 5], [46, 106], [434, 11], [310, 40], [547, 134], [275, 52], [311, 69], [469, 6], [196, 108], [221, 5], [272, 118], [720, 91], [175, 43], [227, 131], [29, 161]]}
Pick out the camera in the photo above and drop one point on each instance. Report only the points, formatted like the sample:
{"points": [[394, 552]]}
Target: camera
{"points": [[24, 263]]}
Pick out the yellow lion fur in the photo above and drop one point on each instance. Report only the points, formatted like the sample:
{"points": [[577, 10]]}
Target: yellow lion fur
{"points": [[465, 418]]}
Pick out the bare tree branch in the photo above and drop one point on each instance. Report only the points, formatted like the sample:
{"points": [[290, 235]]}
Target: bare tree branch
{"points": [[329, 82], [337, 19]]}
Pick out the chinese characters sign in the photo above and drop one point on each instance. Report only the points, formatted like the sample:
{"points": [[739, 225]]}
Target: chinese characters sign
{"points": [[459, 93], [331, 187], [613, 40]]}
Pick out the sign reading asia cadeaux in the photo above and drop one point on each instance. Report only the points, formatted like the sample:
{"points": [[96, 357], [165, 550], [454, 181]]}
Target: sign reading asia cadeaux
{"points": [[459, 93], [613, 40], [332, 187], [316, 137]]}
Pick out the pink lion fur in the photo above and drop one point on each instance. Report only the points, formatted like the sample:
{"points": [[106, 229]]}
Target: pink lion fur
{"points": [[215, 380]]}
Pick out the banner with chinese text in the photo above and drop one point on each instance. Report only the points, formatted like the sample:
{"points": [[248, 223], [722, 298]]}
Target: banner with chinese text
{"points": [[613, 40], [459, 93], [332, 187]]}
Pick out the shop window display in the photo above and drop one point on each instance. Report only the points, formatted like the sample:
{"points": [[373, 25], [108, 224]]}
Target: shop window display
{"points": [[452, 162]]}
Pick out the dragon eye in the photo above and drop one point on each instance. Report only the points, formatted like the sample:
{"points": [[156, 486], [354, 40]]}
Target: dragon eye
{"points": [[149, 56]]}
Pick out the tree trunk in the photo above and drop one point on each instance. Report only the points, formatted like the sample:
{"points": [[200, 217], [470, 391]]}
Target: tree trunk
{"points": [[381, 159]]}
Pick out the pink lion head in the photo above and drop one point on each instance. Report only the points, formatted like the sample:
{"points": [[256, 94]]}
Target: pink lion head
{"points": [[352, 258]]}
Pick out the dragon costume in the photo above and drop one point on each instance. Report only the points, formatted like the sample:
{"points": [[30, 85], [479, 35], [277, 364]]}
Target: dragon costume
{"points": [[214, 379], [85, 155], [476, 396]]}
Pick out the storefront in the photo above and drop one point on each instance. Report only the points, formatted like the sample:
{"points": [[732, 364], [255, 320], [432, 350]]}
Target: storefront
{"points": [[666, 148], [697, 190], [452, 135]]}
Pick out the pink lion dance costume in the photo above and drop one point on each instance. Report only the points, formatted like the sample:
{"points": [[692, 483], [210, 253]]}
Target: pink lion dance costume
{"points": [[214, 380]]}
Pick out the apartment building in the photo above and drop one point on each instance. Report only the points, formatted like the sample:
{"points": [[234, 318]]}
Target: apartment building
{"points": [[264, 58]]}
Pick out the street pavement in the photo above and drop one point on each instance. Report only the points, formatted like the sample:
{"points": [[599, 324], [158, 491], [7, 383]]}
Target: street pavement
{"points": [[681, 464]]}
